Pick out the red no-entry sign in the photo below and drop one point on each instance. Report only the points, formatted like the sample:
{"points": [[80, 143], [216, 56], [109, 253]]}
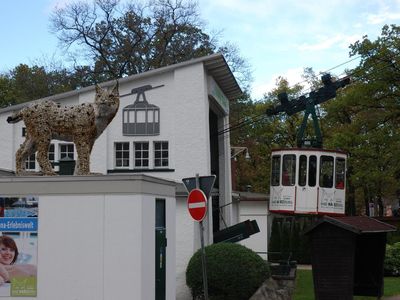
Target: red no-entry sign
{"points": [[197, 204]]}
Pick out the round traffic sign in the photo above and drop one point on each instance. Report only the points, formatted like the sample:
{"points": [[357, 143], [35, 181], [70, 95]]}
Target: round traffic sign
{"points": [[197, 204]]}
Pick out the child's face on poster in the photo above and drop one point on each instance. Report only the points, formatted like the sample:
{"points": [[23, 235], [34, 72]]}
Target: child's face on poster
{"points": [[6, 255]]}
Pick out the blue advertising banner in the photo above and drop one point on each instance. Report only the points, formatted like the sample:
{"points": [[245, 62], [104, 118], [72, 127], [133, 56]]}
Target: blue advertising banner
{"points": [[18, 246], [18, 224]]}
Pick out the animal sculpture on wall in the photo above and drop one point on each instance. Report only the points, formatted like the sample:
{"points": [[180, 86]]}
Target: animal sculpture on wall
{"points": [[81, 124]]}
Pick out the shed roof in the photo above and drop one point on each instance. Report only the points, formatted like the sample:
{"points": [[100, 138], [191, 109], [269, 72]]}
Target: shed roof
{"points": [[214, 64], [356, 224]]}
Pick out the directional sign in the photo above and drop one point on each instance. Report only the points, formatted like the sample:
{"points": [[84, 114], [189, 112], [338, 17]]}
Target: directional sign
{"points": [[197, 204], [206, 184]]}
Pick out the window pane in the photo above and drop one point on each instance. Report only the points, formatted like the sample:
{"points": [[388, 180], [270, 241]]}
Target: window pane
{"points": [[326, 172], [302, 170], [30, 163], [51, 154], [141, 116], [156, 116], [161, 154], [141, 154], [132, 116], [150, 117], [312, 171], [275, 170], [340, 173], [288, 169], [122, 154]]}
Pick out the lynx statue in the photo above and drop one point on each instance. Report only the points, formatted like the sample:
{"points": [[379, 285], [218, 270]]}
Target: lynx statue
{"points": [[81, 124]]}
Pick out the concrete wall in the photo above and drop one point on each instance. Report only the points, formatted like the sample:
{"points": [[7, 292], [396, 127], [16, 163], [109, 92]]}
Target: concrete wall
{"points": [[96, 237]]}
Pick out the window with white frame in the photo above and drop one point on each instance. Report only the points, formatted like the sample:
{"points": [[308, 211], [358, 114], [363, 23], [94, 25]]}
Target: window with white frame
{"points": [[30, 163], [121, 155], [67, 151], [51, 153], [161, 154], [141, 154]]}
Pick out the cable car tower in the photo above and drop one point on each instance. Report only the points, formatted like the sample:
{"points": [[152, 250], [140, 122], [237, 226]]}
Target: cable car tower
{"points": [[308, 180]]}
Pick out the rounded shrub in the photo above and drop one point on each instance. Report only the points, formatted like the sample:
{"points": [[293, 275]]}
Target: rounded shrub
{"points": [[233, 272], [392, 259]]}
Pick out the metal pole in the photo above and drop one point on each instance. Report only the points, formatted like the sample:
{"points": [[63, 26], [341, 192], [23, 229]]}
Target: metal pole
{"points": [[203, 261], [203, 251]]}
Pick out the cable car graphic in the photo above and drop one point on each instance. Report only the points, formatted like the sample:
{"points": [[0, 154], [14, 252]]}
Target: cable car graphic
{"points": [[308, 179], [141, 118]]}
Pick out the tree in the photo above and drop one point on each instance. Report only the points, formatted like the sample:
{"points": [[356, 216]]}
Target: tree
{"points": [[121, 40], [24, 83], [260, 134], [364, 119]]}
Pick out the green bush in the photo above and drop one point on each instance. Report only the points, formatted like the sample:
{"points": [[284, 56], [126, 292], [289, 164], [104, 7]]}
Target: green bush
{"points": [[234, 272], [392, 259], [288, 241], [393, 237]]}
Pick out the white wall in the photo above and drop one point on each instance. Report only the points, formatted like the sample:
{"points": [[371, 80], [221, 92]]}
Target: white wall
{"points": [[8, 143], [255, 210], [99, 246], [185, 227]]}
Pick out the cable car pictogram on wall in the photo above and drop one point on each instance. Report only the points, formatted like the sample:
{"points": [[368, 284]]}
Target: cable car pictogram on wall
{"points": [[141, 117], [308, 179]]}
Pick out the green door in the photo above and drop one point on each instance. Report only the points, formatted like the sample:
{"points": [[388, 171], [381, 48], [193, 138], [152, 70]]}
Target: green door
{"points": [[161, 244]]}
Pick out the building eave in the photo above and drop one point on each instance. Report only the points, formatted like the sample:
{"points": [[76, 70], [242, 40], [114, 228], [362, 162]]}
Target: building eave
{"points": [[215, 65]]}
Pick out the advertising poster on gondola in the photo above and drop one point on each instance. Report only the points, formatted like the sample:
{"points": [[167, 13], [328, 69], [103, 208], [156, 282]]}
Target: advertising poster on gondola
{"points": [[18, 246]]}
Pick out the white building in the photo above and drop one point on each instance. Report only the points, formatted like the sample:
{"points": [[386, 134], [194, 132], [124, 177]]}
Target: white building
{"points": [[167, 126], [98, 237]]}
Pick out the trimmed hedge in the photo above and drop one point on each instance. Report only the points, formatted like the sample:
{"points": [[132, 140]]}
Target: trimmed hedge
{"points": [[234, 272], [392, 260]]}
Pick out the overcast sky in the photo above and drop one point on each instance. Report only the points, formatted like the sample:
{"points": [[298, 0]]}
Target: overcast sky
{"points": [[277, 37]]}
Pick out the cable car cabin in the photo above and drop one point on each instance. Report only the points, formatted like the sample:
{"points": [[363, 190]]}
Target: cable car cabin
{"points": [[308, 181]]}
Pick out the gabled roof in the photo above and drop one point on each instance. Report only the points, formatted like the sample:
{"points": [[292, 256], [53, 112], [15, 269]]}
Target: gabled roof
{"points": [[357, 224], [214, 64]]}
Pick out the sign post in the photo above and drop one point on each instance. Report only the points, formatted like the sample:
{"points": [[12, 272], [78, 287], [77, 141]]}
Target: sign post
{"points": [[197, 206]]}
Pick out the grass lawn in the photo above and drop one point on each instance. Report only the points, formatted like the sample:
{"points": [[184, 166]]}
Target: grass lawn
{"points": [[305, 288]]}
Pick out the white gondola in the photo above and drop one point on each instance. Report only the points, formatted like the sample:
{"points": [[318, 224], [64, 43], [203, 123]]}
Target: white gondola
{"points": [[308, 181]]}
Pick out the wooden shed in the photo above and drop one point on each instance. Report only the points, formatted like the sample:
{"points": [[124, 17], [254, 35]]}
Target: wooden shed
{"points": [[347, 256]]}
